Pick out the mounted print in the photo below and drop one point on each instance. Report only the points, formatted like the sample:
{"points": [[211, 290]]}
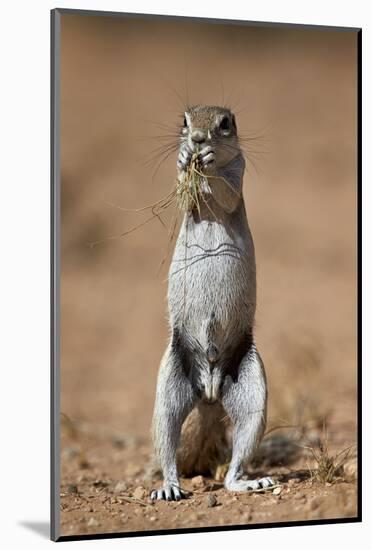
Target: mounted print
{"points": [[205, 190]]}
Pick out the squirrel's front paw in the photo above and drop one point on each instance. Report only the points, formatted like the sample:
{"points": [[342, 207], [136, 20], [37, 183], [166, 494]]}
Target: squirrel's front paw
{"points": [[169, 492], [206, 156], [184, 157]]}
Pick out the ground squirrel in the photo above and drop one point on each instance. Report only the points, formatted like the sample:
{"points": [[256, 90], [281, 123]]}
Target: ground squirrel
{"points": [[211, 368]]}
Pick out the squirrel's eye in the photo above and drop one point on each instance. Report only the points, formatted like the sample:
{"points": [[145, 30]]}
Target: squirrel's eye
{"points": [[225, 124]]}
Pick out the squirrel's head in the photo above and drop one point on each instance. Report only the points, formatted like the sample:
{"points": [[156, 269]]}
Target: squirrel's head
{"points": [[211, 125]]}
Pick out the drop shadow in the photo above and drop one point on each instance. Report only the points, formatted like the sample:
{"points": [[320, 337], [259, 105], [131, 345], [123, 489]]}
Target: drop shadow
{"points": [[300, 475], [42, 528]]}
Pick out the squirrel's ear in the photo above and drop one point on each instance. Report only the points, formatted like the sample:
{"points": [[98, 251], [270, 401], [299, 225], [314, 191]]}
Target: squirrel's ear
{"points": [[186, 120]]}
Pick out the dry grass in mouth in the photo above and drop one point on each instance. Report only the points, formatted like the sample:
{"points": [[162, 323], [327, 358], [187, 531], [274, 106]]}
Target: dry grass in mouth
{"points": [[188, 187]]}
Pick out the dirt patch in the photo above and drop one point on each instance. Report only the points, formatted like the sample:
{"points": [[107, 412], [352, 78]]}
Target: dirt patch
{"points": [[106, 489]]}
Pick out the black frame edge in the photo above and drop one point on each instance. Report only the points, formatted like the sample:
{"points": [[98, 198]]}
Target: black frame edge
{"points": [[200, 19], [54, 274], [359, 271], [191, 530]]}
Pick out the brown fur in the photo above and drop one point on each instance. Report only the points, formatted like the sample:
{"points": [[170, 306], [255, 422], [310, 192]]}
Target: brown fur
{"points": [[205, 117], [203, 445]]}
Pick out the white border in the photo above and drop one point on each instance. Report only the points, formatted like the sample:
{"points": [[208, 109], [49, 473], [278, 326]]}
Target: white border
{"points": [[24, 254]]}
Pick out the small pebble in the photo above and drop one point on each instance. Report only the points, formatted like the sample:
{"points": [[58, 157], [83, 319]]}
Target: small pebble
{"points": [[350, 468], [100, 483], [315, 503], [72, 489], [84, 464], [119, 442], [120, 487], [211, 501], [82, 477], [71, 452], [198, 482], [140, 493], [277, 490]]}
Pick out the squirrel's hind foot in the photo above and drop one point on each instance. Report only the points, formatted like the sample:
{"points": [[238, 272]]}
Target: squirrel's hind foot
{"points": [[249, 484], [169, 492]]}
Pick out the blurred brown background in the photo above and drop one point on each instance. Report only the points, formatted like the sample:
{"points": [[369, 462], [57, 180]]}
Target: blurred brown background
{"points": [[295, 91]]}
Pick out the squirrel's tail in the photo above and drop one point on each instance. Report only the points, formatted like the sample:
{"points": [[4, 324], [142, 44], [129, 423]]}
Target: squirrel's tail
{"points": [[204, 441]]}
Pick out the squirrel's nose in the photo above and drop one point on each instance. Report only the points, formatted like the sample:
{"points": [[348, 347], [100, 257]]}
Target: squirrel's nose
{"points": [[198, 136]]}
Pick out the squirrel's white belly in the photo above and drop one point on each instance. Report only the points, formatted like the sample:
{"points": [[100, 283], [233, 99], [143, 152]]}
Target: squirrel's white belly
{"points": [[212, 284]]}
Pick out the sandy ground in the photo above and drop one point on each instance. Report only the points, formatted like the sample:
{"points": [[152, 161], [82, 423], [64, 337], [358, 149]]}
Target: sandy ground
{"points": [[105, 489], [294, 93]]}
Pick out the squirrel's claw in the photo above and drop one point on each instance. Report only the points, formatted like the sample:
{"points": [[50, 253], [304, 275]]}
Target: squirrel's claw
{"points": [[168, 492], [207, 156]]}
